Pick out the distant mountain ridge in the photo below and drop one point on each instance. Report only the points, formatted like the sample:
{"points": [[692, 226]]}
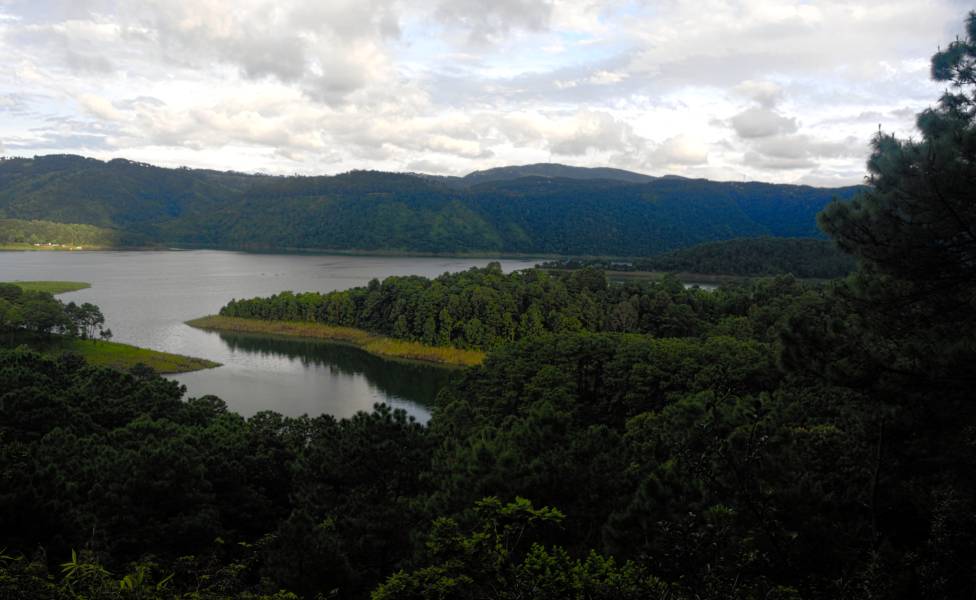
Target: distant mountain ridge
{"points": [[545, 170], [530, 209], [554, 170]]}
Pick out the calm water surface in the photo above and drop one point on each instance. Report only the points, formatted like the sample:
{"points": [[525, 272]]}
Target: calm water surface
{"points": [[147, 296]]}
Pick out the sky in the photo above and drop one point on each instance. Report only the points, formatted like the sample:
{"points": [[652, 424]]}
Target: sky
{"points": [[752, 90]]}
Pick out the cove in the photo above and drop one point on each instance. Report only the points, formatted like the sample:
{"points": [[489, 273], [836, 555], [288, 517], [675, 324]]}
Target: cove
{"points": [[147, 296]]}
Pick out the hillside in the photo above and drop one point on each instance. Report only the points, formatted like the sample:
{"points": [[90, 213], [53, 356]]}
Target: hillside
{"points": [[553, 170], [802, 257], [15, 232], [557, 210], [746, 257]]}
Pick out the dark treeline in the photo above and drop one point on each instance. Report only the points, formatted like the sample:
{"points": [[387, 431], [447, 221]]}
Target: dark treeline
{"points": [[485, 308], [748, 257], [800, 442], [740, 458], [41, 313]]}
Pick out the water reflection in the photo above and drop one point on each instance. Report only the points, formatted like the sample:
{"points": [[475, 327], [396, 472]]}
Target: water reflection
{"points": [[299, 376], [147, 296], [404, 380]]}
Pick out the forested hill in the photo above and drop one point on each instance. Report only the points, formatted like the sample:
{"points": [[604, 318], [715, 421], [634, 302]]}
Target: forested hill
{"points": [[552, 170], [745, 257], [557, 210]]}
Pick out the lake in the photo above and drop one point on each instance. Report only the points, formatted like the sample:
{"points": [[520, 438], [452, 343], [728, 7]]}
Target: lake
{"points": [[147, 295]]}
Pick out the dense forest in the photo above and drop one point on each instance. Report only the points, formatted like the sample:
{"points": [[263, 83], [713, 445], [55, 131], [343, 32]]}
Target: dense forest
{"points": [[649, 449], [554, 210], [40, 313], [794, 441], [486, 309], [546, 170], [748, 257]]}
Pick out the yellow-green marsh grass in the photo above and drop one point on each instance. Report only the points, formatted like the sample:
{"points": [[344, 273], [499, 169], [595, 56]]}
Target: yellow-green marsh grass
{"points": [[51, 287], [374, 344]]}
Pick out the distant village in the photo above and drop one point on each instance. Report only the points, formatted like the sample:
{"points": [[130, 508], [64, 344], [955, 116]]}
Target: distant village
{"points": [[62, 246]]}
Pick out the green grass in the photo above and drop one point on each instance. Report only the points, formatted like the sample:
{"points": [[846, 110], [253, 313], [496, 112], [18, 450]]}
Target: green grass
{"points": [[32, 248], [374, 344], [101, 353], [51, 287], [121, 357]]}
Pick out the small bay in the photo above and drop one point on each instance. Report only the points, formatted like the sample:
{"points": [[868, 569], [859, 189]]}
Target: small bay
{"points": [[147, 296]]}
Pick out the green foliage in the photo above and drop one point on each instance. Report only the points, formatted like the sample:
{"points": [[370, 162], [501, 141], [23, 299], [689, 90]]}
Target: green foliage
{"points": [[486, 309], [501, 558], [123, 467], [900, 330], [52, 287], [768, 440], [749, 257], [371, 343], [573, 212], [46, 234], [31, 315], [914, 231], [35, 311]]}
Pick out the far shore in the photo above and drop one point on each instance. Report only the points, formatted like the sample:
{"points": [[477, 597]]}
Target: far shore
{"points": [[282, 250], [372, 343]]}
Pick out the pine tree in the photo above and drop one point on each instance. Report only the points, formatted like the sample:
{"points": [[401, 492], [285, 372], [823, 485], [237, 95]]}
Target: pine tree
{"points": [[914, 231]]}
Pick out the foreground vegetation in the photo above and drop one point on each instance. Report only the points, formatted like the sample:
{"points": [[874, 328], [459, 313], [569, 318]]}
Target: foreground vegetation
{"points": [[802, 441], [374, 344]]}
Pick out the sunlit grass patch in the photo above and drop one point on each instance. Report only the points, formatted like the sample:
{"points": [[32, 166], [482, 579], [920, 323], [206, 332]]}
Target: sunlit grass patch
{"points": [[51, 287], [123, 356], [374, 344]]}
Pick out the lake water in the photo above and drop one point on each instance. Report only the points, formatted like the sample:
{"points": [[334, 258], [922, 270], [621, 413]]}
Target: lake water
{"points": [[146, 297]]}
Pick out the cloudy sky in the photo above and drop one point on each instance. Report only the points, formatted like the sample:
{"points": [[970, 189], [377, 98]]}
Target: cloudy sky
{"points": [[774, 91]]}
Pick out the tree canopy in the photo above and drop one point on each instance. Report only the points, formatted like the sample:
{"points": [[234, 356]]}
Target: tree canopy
{"points": [[507, 211], [772, 440]]}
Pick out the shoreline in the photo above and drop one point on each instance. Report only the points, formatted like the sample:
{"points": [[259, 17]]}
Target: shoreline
{"points": [[102, 353], [374, 344], [283, 250], [115, 355], [54, 288], [119, 356], [683, 276]]}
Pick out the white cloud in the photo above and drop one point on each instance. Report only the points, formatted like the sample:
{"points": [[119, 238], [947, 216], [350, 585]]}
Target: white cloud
{"points": [[741, 89], [487, 22], [590, 131], [761, 122], [766, 93], [100, 107], [680, 150]]}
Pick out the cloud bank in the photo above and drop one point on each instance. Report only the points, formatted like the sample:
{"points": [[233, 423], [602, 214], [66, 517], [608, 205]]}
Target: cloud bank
{"points": [[776, 91]]}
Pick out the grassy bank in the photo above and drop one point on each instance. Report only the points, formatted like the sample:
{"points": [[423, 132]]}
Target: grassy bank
{"points": [[98, 352], [51, 287], [15, 246], [374, 344], [114, 355]]}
